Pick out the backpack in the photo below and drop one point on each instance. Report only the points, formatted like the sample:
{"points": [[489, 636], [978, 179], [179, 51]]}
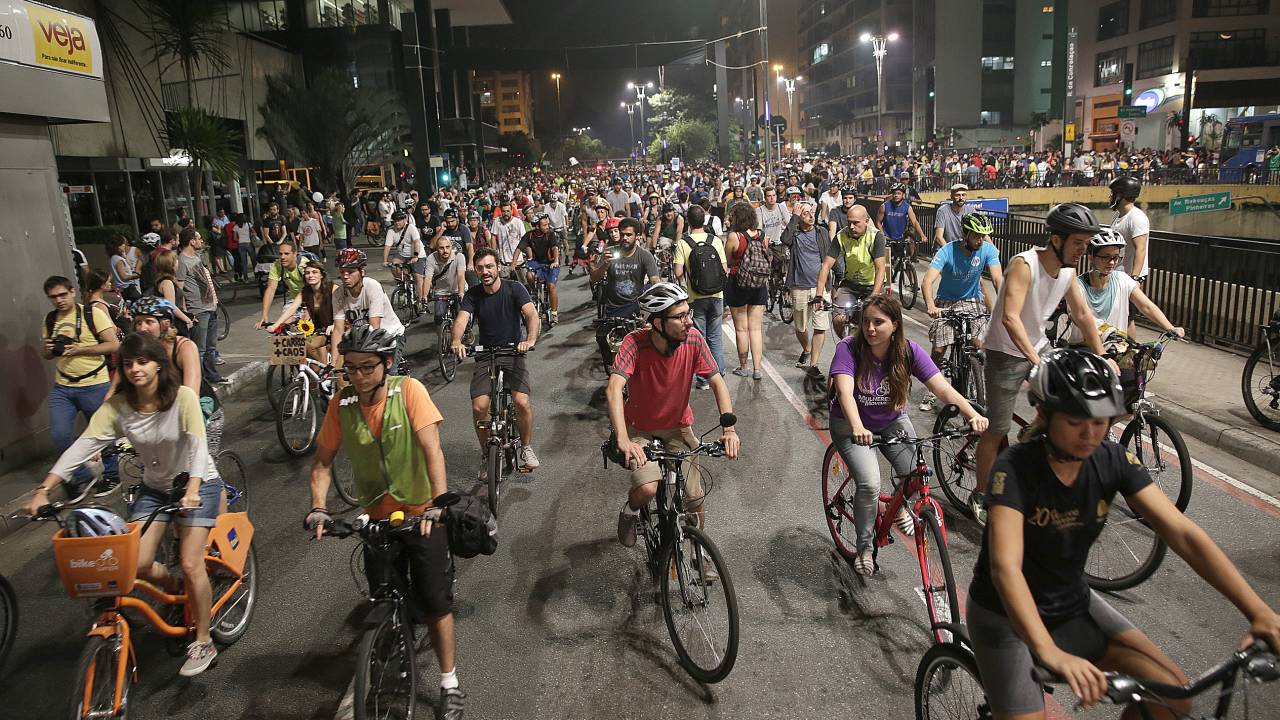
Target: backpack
{"points": [[754, 270], [472, 529], [87, 319], [706, 271]]}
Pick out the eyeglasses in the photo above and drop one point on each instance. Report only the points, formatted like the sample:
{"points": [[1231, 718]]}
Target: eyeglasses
{"points": [[682, 317], [362, 369], [1109, 259]]}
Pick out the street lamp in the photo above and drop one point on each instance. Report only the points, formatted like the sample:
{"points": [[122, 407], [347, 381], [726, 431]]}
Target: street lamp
{"points": [[631, 110], [790, 85], [559, 118], [641, 92], [581, 130], [879, 49]]}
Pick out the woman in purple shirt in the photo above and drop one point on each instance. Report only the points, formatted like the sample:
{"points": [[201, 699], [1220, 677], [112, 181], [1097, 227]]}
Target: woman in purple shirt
{"points": [[871, 374]]}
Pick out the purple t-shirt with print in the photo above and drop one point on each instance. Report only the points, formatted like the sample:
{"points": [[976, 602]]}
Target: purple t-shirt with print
{"points": [[873, 404]]}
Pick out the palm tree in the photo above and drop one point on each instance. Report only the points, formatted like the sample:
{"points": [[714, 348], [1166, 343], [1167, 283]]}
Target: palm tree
{"points": [[210, 144], [187, 33]]}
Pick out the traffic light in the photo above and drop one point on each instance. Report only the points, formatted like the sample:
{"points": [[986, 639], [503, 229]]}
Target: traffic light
{"points": [[443, 177], [1128, 83], [755, 138]]}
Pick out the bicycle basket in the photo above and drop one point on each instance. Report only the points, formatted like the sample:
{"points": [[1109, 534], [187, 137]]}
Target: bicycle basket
{"points": [[102, 566]]}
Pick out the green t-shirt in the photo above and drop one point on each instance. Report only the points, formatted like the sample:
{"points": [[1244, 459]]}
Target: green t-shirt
{"points": [[292, 278]]}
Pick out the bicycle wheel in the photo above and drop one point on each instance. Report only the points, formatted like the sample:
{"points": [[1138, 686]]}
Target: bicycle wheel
{"points": [[908, 284], [298, 418], [231, 619], [948, 687], [130, 465], [837, 503], [939, 588], [400, 298], [448, 361], [224, 322], [494, 464], [786, 311], [278, 379], [701, 609], [1260, 384], [955, 459], [231, 469], [1127, 551], [344, 480], [386, 680], [1144, 437], [8, 619], [94, 692]]}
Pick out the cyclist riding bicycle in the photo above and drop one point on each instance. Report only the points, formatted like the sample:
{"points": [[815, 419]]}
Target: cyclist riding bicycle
{"points": [[669, 229], [625, 272], [287, 268], [958, 268], [657, 364], [541, 249], [390, 430], [894, 214], [862, 248], [362, 301], [1029, 602], [447, 273], [315, 304]]}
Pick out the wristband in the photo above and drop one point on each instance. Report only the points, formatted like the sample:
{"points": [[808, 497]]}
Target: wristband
{"points": [[319, 509]]}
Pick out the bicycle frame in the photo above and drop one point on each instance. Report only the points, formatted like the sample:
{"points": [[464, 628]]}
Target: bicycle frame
{"points": [[917, 482]]}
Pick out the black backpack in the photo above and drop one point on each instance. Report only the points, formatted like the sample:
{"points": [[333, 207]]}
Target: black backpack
{"points": [[706, 271], [82, 316], [472, 529]]}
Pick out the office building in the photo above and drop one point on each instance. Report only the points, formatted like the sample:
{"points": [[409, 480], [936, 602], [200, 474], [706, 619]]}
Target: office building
{"points": [[506, 100]]}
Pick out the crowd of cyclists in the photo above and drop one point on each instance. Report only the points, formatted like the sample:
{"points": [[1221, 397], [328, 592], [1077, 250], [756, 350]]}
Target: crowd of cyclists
{"points": [[668, 252]]}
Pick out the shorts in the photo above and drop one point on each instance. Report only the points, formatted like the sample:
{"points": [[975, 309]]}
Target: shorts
{"points": [[808, 317], [1004, 375], [850, 295], [736, 297], [544, 271], [941, 332], [420, 266], [681, 439], [428, 565], [1005, 662], [150, 498], [515, 377]]}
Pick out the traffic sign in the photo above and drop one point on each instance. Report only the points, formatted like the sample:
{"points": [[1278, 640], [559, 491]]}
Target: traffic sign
{"points": [[1132, 111], [1069, 132], [1128, 131], [990, 206], [1208, 202], [777, 121]]}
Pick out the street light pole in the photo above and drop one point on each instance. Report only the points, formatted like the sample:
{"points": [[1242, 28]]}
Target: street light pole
{"points": [[879, 48], [631, 109], [789, 84], [559, 116], [764, 57], [641, 92]]}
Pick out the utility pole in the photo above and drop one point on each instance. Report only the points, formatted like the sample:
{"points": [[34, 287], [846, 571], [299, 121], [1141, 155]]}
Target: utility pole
{"points": [[559, 117], [764, 55]]}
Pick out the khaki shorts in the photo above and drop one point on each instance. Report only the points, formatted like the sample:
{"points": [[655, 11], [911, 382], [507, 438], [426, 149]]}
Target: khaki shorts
{"points": [[679, 439], [943, 335], [808, 317]]}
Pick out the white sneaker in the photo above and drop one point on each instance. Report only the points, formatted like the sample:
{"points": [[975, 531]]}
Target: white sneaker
{"points": [[528, 461], [199, 657], [978, 508], [930, 402], [864, 565]]}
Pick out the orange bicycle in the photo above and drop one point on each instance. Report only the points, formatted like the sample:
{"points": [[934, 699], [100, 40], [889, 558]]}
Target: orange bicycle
{"points": [[104, 569]]}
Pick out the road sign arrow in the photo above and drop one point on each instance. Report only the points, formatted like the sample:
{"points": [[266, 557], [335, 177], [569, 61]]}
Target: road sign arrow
{"points": [[1224, 201]]}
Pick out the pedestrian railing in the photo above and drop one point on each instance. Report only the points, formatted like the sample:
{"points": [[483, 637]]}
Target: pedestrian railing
{"points": [[1008, 179]]}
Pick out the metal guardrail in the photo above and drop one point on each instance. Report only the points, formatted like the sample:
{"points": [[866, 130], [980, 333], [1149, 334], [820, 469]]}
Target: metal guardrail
{"points": [[1009, 180], [1221, 289]]}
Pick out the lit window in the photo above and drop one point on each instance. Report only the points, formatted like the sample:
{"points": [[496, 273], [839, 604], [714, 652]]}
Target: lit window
{"points": [[821, 52], [1047, 9], [1046, 63], [997, 62]]}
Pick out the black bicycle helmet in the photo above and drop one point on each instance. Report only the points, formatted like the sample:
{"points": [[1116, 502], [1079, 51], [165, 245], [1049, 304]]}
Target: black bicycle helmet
{"points": [[1125, 186], [367, 339], [398, 215], [1071, 218], [1078, 383], [450, 213]]}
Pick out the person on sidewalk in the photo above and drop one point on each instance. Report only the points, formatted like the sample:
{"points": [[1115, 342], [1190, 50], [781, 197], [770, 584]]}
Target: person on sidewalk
{"points": [[1132, 224], [809, 243], [81, 341], [201, 301], [696, 270]]}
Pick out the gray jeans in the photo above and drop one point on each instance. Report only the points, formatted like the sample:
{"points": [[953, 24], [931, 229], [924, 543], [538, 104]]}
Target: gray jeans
{"points": [[865, 470]]}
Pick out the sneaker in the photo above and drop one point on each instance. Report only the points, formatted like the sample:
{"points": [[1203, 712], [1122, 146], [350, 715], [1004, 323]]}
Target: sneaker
{"points": [[978, 508], [220, 361], [930, 402], [555, 317], [905, 524], [709, 574], [106, 486], [741, 372], [864, 564], [528, 461], [803, 362], [627, 523], [814, 370], [199, 657], [757, 375], [483, 475], [701, 383], [450, 707]]}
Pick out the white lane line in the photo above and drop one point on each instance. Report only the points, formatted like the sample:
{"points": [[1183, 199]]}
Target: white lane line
{"points": [[726, 332]]}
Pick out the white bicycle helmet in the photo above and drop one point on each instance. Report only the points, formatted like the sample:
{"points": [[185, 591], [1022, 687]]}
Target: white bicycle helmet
{"points": [[94, 522], [1106, 237], [658, 298]]}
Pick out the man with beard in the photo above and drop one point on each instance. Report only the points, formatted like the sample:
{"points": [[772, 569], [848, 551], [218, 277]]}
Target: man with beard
{"points": [[946, 224], [362, 301], [625, 270], [459, 235], [542, 253]]}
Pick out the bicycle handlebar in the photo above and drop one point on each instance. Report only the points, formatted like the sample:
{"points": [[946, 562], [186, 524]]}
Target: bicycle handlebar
{"points": [[903, 440], [508, 350], [655, 451]]}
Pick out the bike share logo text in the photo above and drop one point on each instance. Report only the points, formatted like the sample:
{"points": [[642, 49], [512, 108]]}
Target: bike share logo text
{"points": [[105, 562]]}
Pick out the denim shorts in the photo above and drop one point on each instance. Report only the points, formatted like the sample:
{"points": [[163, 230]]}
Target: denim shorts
{"points": [[150, 498], [544, 271], [1004, 375]]}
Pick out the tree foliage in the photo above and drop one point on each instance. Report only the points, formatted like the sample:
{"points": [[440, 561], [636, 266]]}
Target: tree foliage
{"points": [[583, 147], [332, 125], [690, 140], [670, 106], [211, 144], [187, 33]]}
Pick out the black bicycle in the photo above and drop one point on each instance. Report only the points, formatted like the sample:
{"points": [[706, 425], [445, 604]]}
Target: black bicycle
{"points": [[685, 565], [617, 330], [404, 297], [903, 273], [962, 365], [449, 361], [1260, 381], [850, 310], [503, 448], [779, 298]]}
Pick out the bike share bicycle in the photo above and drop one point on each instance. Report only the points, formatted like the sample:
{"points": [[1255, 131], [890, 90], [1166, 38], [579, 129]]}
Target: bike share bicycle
{"points": [[702, 623]]}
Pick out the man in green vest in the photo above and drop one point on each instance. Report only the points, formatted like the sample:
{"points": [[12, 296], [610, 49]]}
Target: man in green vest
{"points": [[390, 430], [862, 249]]}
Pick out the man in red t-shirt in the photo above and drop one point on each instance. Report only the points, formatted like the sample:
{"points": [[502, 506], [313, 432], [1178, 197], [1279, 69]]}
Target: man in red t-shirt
{"points": [[658, 364]]}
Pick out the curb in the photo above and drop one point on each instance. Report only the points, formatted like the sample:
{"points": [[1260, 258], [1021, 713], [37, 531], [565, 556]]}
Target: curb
{"points": [[1246, 443], [242, 382]]}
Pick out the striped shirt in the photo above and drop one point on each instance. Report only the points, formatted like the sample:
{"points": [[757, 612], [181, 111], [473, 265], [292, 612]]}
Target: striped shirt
{"points": [[659, 398]]}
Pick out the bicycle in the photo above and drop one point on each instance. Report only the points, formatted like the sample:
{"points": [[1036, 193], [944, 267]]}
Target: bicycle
{"points": [[540, 291], [937, 580], [676, 549], [779, 298], [1260, 381], [948, 684], [851, 310], [962, 365], [444, 334], [8, 619], [303, 405], [903, 273], [503, 447], [104, 570], [404, 296], [618, 329]]}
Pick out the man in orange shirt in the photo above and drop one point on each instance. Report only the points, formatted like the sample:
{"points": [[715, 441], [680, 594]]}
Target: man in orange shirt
{"points": [[389, 427]]}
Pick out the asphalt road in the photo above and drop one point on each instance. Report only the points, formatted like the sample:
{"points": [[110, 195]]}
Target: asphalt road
{"points": [[557, 623]]}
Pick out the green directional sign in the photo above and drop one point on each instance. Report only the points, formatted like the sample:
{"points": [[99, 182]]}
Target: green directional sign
{"points": [[1208, 202], [1131, 111]]}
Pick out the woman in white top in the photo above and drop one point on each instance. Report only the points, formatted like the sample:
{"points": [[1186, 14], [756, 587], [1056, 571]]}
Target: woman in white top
{"points": [[1111, 292], [161, 418]]}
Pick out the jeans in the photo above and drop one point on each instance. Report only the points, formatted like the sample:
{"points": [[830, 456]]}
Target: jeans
{"points": [[244, 260], [205, 335], [865, 469], [707, 314], [64, 404]]}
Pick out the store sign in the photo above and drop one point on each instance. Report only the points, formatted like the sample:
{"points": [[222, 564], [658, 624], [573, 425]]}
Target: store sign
{"points": [[1150, 99], [49, 38]]}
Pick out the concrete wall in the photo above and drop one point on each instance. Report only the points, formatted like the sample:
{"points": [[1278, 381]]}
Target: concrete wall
{"points": [[959, 64], [35, 242], [1030, 47]]}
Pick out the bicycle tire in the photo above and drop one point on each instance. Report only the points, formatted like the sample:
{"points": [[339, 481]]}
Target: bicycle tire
{"points": [[837, 503], [1256, 378], [224, 322], [786, 310], [300, 406], [230, 468], [369, 699], [1124, 531], [694, 594], [344, 481], [278, 379], [231, 621], [955, 459], [935, 559], [953, 670], [908, 285], [448, 361], [1178, 486], [399, 298], [493, 463], [94, 692], [8, 619]]}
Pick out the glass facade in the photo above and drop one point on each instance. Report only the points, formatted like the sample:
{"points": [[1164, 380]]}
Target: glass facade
{"points": [[1155, 57]]}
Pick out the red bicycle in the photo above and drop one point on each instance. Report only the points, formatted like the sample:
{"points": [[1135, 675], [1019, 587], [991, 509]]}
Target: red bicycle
{"points": [[938, 585]]}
